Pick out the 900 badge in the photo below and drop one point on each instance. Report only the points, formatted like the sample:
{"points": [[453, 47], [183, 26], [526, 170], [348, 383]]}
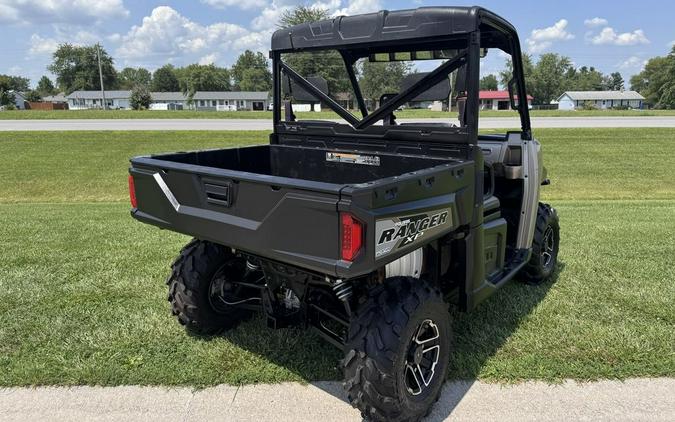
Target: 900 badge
{"points": [[394, 233]]}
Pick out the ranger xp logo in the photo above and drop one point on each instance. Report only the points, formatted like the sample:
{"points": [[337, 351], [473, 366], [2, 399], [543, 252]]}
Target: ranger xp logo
{"points": [[397, 232]]}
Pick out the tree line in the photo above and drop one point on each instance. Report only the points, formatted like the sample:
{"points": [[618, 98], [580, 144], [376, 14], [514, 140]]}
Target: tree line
{"points": [[76, 68]]}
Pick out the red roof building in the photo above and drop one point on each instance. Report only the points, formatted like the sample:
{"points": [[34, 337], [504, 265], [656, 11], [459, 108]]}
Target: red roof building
{"points": [[497, 100]]}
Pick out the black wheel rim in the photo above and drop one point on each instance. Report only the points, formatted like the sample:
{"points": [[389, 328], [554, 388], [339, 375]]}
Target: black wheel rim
{"points": [[224, 291], [548, 248], [422, 357]]}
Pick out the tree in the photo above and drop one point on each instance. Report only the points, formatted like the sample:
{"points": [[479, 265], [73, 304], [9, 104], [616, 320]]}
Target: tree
{"points": [[327, 64], [251, 72], [130, 77], [548, 77], [197, 77], [45, 87], [32, 96], [164, 79], [379, 78], [302, 14], [76, 68], [140, 97], [587, 79], [7, 84], [6, 97], [16, 83], [656, 82], [489, 83], [528, 68], [614, 82], [255, 79]]}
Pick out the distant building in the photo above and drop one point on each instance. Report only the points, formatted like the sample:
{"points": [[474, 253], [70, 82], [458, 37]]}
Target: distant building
{"points": [[84, 100], [498, 100], [56, 98], [19, 100], [572, 100], [202, 100], [242, 100]]}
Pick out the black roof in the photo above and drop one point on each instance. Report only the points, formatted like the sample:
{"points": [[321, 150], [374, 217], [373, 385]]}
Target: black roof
{"points": [[385, 27]]}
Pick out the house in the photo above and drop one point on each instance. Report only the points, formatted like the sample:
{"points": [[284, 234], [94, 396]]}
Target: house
{"points": [[168, 101], [57, 98], [201, 100], [82, 100], [498, 100], [19, 100], [242, 100], [572, 100]]}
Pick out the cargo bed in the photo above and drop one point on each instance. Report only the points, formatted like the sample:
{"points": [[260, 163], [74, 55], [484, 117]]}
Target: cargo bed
{"points": [[279, 201]]}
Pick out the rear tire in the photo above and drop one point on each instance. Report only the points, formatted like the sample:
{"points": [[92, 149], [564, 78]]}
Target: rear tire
{"points": [[394, 368], [191, 284], [545, 244]]}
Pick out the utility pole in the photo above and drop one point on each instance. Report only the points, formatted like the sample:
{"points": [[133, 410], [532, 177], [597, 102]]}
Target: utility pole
{"points": [[100, 75]]}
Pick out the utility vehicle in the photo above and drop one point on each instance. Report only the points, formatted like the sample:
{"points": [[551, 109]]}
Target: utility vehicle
{"points": [[365, 229]]}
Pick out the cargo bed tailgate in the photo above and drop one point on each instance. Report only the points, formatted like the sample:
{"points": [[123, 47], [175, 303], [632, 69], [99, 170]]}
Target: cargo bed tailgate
{"points": [[276, 217]]}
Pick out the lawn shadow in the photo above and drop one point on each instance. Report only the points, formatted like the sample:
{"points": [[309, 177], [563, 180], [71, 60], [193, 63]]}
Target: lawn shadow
{"points": [[478, 336]]}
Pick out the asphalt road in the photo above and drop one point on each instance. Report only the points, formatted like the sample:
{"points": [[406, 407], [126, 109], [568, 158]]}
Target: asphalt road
{"points": [[631, 400], [263, 124]]}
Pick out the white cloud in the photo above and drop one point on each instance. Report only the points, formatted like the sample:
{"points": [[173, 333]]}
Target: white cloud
{"points": [[595, 22], [270, 15], [241, 4], [355, 7], [632, 63], [166, 35], [542, 39], [60, 11], [42, 46], [208, 59], [39, 46], [609, 36]]}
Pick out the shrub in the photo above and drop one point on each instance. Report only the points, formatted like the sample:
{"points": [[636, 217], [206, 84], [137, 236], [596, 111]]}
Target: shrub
{"points": [[140, 98], [589, 105]]}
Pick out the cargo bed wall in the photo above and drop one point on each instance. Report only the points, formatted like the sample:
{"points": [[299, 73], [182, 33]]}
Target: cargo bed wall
{"points": [[337, 166]]}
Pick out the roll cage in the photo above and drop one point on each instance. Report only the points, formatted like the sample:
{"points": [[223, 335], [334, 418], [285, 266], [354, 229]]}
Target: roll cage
{"points": [[464, 29]]}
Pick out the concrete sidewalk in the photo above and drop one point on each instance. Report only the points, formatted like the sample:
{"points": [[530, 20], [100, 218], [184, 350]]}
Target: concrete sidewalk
{"points": [[632, 400]]}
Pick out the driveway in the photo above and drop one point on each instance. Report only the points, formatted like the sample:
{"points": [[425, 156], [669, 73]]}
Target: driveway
{"points": [[263, 124], [632, 400]]}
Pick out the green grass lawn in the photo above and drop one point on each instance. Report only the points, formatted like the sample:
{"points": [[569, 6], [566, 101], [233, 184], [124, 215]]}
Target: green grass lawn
{"points": [[92, 166], [84, 300], [326, 114]]}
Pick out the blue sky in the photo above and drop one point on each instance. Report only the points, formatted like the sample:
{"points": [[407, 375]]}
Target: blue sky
{"points": [[610, 35]]}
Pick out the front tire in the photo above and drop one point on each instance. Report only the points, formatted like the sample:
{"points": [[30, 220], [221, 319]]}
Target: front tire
{"points": [[397, 351], [545, 244], [198, 283]]}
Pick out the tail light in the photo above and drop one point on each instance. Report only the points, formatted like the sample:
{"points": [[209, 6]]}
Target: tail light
{"points": [[132, 191], [351, 234]]}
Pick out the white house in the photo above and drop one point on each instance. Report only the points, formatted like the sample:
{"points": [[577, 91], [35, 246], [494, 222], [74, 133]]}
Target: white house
{"points": [[572, 100], [202, 100], [19, 100], [242, 100], [83, 100]]}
